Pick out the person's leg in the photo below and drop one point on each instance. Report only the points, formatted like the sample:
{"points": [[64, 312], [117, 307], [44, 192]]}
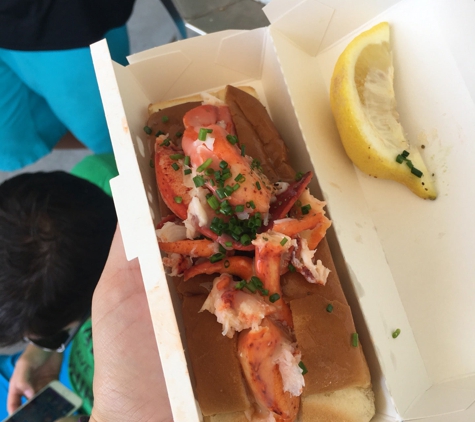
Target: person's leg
{"points": [[67, 81], [28, 127]]}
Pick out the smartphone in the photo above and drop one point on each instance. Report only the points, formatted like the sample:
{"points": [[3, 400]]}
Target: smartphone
{"points": [[52, 402]]}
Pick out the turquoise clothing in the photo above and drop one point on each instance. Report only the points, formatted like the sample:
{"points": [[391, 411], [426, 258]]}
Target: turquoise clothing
{"points": [[44, 94]]}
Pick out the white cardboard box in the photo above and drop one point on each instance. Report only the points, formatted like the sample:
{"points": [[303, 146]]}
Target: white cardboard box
{"points": [[405, 263]]}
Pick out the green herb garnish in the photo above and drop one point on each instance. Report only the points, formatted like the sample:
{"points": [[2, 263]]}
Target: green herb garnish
{"points": [[303, 368], [205, 165], [203, 133]]}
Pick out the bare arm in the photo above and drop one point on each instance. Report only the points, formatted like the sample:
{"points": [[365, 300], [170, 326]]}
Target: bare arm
{"points": [[128, 378]]}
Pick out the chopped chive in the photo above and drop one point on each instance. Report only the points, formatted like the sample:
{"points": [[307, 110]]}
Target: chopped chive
{"points": [[209, 171], [166, 142], [220, 192], [226, 264], [416, 172], [213, 202], [329, 308], [274, 297], [175, 166], [152, 163], [303, 368], [187, 171], [236, 187], [223, 164], [228, 190], [228, 244], [255, 164], [203, 133], [159, 133], [216, 257], [177, 156], [291, 268], [239, 178], [396, 333], [405, 153], [199, 181], [243, 150], [147, 130], [409, 163], [283, 241], [245, 239], [354, 339], [187, 160], [400, 158], [239, 208], [225, 175], [306, 209], [258, 186], [226, 211], [251, 287], [205, 165], [264, 292], [178, 199], [240, 285], [232, 139], [298, 176], [179, 134], [165, 119], [256, 281]]}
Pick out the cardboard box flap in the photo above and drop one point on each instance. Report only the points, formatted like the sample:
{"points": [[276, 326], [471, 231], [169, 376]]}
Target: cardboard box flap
{"points": [[313, 17], [442, 399], [399, 249], [219, 58], [338, 18], [461, 40], [126, 110], [361, 247]]}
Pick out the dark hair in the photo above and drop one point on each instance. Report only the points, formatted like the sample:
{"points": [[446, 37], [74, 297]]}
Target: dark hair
{"points": [[55, 233]]}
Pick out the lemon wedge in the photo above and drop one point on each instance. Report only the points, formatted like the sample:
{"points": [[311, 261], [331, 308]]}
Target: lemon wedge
{"points": [[364, 106]]}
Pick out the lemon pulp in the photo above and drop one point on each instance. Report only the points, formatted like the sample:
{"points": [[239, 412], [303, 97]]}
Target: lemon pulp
{"points": [[364, 106]]}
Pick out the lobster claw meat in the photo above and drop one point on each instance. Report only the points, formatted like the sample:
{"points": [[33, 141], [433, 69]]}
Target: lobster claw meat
{"points": [[270, 366], [170, 179]]}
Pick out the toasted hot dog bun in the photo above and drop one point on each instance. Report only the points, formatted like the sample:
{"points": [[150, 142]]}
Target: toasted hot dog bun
{"points": [[338, 383]]}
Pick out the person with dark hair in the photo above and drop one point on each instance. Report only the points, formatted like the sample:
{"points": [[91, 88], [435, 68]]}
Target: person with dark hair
{"points": [[56, 230], [49, 96]]}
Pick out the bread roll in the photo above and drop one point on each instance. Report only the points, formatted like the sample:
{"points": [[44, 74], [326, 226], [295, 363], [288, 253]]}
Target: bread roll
{"points": [[338, 383]]}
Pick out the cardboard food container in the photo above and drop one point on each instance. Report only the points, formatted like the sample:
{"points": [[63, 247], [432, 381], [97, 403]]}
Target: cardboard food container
{"points": [[405, 263]]}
